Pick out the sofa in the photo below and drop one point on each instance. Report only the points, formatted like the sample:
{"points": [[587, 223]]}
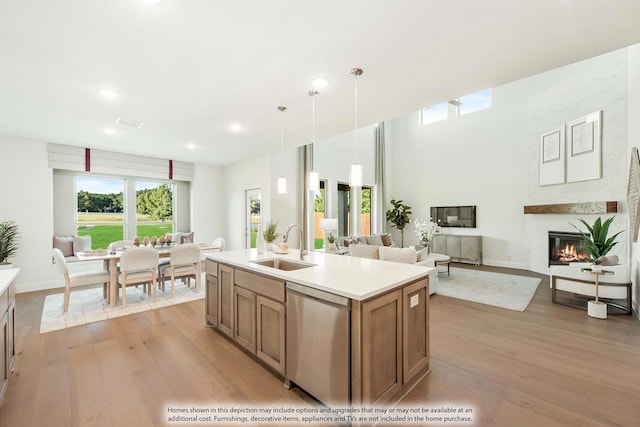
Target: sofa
{"points": [[383, 239], [394, 254], [571, 279]]}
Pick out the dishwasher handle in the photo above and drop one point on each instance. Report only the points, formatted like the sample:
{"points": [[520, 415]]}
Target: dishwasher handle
{"points": [[319, 295]]}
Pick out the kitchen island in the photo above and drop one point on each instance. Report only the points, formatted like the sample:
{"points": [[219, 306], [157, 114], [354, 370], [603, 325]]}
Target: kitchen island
{"points": [[256, 301]]}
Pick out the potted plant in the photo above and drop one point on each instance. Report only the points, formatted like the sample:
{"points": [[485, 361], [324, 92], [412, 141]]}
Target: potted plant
{"points": [[399, 217], [8, 242], [331, 240], [597, 243], [424, 231], [270, 233]]}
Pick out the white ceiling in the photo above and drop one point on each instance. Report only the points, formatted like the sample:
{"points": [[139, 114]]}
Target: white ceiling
{"points": [[188, 69]]}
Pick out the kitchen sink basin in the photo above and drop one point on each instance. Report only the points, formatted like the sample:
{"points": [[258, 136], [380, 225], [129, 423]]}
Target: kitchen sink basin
{"points": [[282, 264]]}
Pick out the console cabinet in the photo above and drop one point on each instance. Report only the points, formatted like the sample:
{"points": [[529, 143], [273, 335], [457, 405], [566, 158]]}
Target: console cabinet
{"points": [[460, 248]]}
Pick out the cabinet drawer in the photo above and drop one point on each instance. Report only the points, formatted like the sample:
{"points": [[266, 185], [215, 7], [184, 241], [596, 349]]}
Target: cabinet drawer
{"points": [[211, 267], [262, 285]]}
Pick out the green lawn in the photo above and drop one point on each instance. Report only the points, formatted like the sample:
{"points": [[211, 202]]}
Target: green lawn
{"points": [[102, 235]]}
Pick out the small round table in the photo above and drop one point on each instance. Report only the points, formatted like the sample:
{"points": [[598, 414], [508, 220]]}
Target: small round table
{"points": [[441, 259], [596, 308]]}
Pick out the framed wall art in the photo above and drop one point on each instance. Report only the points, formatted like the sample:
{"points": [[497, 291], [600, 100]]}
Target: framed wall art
{"points": [[584, 148], [552, 157]]}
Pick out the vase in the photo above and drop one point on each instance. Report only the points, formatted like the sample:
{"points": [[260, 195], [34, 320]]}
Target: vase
{"points": [[260, 243], [269, 246]]}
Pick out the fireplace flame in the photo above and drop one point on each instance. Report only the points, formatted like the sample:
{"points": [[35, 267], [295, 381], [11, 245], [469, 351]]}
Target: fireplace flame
{"points": [[570, 254]]}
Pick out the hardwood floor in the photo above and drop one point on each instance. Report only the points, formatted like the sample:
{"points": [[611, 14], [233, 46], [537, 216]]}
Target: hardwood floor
{"points": [[550, 365]]}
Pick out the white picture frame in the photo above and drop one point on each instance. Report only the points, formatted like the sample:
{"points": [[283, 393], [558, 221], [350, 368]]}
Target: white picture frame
{"points": [[552, 157], [584, 148]]}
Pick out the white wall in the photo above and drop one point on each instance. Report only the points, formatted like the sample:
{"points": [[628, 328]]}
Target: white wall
{"points": [[27, 198], [490, 159], [208, 216], [633, 140]]}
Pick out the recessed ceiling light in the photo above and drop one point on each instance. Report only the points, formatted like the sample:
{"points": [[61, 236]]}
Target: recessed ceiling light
{"points": [[107, 93], [191, 146], [320, 82], [129, 123], [236, 127], [109, 131]]}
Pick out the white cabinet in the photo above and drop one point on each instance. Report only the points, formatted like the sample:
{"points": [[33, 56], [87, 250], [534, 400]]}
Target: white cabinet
{"points": [[459, 248]]}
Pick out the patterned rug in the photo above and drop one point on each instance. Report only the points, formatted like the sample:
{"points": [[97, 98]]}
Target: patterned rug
{"points": [[88, 306], [497, 289]]}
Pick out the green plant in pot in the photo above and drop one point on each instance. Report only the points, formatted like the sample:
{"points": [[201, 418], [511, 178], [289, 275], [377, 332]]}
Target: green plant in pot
{"points": [[399, 217], [8, 241], [270, 233], [597, 242]]}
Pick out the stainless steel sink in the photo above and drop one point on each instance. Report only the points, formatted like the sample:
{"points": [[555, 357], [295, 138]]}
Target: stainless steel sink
{"points": [[282, 264]]}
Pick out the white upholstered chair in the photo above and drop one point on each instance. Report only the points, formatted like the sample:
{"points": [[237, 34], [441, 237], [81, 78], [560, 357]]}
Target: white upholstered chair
{"points": [[183, 262], [77, 279], [120, 244], [218, 244], [138, 265]]}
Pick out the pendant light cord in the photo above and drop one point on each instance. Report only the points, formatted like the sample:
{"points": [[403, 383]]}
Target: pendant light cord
{"points": [[282, 110]]}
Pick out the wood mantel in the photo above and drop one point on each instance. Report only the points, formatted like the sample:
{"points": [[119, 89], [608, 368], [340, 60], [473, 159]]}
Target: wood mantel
{"points": [[573, 208]]}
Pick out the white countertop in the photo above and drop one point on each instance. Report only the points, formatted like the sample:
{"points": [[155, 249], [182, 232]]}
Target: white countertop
{"points": [[351, 277], [7, 276]]}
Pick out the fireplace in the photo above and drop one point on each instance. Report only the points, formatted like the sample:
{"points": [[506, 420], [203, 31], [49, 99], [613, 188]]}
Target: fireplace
{"points": [[563, 248]]}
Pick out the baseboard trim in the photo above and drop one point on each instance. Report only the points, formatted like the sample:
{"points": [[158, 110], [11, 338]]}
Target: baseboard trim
{"points": [[517, 265]]}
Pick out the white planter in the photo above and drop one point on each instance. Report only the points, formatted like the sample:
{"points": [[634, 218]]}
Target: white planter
{"points": [[597, 309]]}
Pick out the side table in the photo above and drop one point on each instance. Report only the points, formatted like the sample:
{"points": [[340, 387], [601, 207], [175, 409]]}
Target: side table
{"points": [[596, 308]]}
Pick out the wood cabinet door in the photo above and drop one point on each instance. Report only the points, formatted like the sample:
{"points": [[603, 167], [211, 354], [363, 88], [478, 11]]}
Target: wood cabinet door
{"points": [[381, 347], [453, 246], [439, 245], [211, 300], [415, 329], [270, 332], [244, 311], [225, 299]]}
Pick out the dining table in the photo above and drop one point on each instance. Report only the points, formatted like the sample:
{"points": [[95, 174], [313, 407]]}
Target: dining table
{"points": [[111, 259]]}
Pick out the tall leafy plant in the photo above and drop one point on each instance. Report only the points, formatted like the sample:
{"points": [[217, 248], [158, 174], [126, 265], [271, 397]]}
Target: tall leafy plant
{"points": [[399, 217], [8, 240], [597, 242]]}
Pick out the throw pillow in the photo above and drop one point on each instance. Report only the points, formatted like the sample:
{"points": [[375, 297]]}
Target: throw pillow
{"points": [[386, 239], [363, 251], [81, 244], [360, 240], [375, 240], [344, 242], [422, 254], [404, 255], [65, 244], [186, 238]]}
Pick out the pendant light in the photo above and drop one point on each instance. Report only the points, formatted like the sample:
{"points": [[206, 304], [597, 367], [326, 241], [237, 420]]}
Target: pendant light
{"points": [[282, 180], [355, 173], [314, 178]]}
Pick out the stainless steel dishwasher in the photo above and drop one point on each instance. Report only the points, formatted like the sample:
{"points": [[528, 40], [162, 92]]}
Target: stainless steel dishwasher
{"points": [[318, 343]]}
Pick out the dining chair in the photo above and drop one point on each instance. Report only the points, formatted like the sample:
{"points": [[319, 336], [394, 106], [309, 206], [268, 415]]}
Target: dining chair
{"points": [[184, 261], [138, 266], [77, 279], [120, 244], [218, 244]]}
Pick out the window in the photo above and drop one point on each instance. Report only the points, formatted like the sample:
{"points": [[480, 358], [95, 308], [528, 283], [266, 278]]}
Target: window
{"points": [[475, 102], [100, 210], [365, 228], [456, 107], [435, 113], [319, 213], [154, 208], [344, 194]]}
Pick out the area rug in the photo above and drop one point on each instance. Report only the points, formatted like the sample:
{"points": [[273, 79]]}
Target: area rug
{"points": [[497, 289], [88, 306]]}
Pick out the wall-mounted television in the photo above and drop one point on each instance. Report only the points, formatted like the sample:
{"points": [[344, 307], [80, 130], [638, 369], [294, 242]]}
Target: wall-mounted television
{"points": [[454, 216]]}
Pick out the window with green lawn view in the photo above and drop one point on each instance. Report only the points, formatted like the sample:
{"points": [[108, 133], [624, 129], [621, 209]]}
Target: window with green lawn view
{"points": [[102, 207]]}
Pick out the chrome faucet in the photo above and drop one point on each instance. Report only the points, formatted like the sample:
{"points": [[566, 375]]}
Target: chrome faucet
{"points": [[303, 252]]}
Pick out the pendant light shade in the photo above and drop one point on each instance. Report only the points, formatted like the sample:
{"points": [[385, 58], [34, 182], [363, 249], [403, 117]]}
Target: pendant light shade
{"points": [[355, 174], [314, 178], [282, 180]]}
